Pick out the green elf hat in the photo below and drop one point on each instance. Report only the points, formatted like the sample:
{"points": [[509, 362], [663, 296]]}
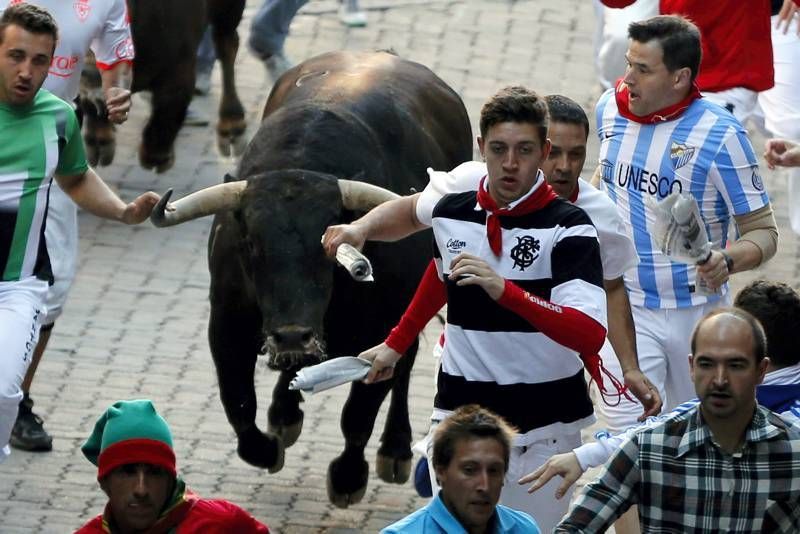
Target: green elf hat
{"points": [[130, 432]]}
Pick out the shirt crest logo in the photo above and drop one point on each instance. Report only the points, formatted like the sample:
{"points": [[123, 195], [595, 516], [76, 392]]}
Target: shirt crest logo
{"points": [[82, 9], [607, 171], [680, 154], [758, 183], [525, 252]]}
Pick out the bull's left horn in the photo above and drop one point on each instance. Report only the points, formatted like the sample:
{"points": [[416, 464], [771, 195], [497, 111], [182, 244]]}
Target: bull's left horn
{"points": [[361, 196], [201, 203]]}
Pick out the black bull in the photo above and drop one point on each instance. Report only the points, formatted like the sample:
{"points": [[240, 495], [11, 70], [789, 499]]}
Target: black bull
{"points": [[366, 117]]}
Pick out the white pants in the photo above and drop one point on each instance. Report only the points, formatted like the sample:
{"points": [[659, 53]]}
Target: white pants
{"points": [[663, 339], [21, 312], [61, 234], [611, 37], [542, 505]]}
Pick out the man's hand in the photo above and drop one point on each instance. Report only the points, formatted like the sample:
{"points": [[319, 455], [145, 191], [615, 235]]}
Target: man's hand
{"points": [[645, 391], [383, 361], [118, 104], [352, 234], [714, 271], [471, 270], [789, 11], [565, 465], [139, 210], [782, 152]]}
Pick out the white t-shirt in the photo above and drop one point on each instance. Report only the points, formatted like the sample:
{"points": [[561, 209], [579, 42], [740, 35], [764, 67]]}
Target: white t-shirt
{"points": [[101, 25], [617, 251]]}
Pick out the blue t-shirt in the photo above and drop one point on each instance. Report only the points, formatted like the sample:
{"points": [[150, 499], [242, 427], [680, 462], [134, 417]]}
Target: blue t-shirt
{"points": [[436, 518]]}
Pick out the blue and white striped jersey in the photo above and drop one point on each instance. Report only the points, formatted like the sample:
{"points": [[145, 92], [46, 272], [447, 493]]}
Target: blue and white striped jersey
{"points": [[705, 152]]}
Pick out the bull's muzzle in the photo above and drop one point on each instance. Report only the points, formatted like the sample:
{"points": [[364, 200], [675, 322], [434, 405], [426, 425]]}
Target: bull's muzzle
{"points": [[292, 347]]}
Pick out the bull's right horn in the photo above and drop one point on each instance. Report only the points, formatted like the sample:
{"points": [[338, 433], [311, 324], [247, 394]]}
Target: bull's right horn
{"points": [[361, 196], [201, 203]]}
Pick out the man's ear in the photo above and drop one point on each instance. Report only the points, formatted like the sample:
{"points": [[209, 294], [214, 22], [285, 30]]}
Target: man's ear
{"points": [[481, 147], [763, 365], [691, 366], [683, 78]]}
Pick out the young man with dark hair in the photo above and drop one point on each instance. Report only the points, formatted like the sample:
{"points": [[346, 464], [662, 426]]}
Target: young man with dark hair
{"points": [[39, 141], [659, 137], [102, 27], [523, 282], [471, 451], [726, 465], [131, 445]]}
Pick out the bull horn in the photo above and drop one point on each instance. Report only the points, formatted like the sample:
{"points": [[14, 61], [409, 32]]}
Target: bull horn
{"points": [[361, 196], [201, 203]]}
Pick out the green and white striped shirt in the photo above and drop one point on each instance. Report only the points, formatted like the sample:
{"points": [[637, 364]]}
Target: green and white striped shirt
{"points": [[37, 141]]}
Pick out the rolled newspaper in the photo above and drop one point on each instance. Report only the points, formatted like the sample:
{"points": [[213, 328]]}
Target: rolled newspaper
{"points": [[680, 233], [355, 262], [331, 373]]}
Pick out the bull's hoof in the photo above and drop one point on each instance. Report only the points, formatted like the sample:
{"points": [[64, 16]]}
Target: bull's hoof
{"points": [[347, 481], [231, 140], [157, 161], [261, 450], [287, 433], [393, 470]]}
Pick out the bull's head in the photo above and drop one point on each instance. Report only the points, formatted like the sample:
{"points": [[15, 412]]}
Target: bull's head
{"points": [[282, 215]]}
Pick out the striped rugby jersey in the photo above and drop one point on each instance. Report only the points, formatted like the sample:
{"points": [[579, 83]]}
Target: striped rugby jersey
{"points": [[36, 142], [705, 152], [494, 357]]}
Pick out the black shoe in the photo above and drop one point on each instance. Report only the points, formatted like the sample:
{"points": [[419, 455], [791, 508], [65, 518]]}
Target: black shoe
{"points": [[28, 433]]}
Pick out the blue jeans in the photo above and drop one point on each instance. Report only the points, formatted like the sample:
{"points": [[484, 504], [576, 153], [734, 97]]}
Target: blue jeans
{"points": [[268, 32], [270, 26]]}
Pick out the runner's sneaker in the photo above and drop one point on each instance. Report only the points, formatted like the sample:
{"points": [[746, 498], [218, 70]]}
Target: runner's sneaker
{"points": [[351, 15], [276, 65], [29, 433]]}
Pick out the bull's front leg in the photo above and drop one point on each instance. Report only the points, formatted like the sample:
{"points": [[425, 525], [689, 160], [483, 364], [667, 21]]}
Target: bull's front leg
{"points": [[393, 462], [284, 415], [234, 342]]}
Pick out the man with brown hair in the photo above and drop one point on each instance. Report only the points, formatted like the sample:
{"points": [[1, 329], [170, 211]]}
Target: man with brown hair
{"points": [[471, 450]]}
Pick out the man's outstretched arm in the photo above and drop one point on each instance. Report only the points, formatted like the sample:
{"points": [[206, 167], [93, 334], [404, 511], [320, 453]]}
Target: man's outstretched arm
{"points": [[390, 221]]}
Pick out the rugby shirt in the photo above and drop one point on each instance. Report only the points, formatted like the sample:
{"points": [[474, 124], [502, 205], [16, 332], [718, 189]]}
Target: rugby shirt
{"points": [[494, 357], [705, 152], [36, 141]]}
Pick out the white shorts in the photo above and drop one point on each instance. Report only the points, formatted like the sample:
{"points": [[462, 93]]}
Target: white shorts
{"points": [[21, 313], [542, 505], [663, 339], [61, 235], [738, 100]]}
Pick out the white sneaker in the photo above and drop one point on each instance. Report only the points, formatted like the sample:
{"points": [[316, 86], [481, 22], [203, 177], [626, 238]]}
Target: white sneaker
{"points": [[195, 115], [277, 64], [351, 15]]}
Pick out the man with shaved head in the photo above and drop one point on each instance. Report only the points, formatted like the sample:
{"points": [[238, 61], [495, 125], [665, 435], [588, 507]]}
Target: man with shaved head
{"points": [[727, 465]]}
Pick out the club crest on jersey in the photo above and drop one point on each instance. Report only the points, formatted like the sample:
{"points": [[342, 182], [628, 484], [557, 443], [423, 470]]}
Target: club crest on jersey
{"points": [[82, 9], [680, 154], [758, 183], [525, 252], [607, 171]]}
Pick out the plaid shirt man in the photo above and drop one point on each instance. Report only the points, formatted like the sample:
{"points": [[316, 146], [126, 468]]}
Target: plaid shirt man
{"points": [[683, 482]]}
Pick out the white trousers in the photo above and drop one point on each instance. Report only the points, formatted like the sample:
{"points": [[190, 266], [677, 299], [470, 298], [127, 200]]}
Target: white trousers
{"points": [[21, 313], [541, 505], [611, 37], [663, 339]]}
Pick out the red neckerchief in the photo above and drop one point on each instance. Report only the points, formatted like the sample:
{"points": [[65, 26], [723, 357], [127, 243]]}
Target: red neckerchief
{"points": [[662, 115], [540, 198]]}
